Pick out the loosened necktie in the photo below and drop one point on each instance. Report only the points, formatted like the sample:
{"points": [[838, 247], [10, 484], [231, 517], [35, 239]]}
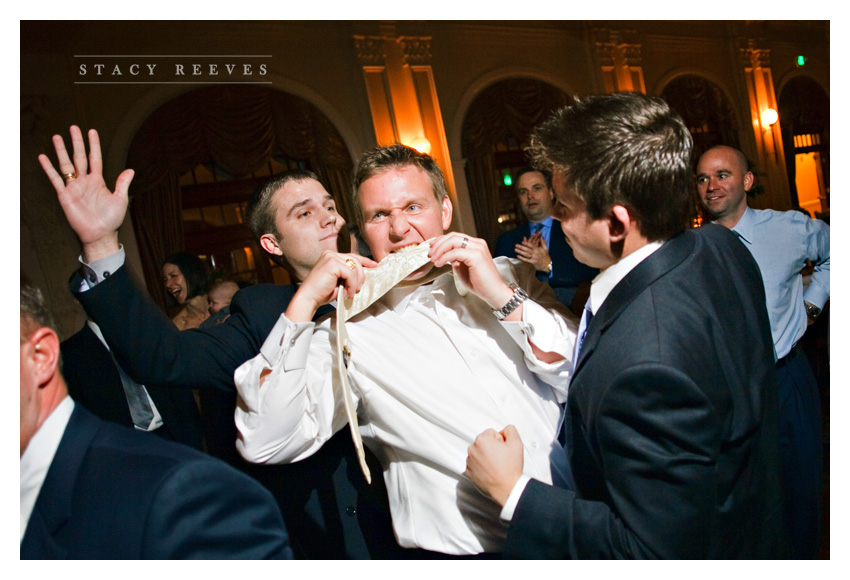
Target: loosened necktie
{"points": [[378, 281]]}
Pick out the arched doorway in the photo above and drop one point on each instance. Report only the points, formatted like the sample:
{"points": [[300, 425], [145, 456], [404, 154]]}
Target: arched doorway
{"points": [[197, 159], [804, 115], [708, 116], [494, 136]]}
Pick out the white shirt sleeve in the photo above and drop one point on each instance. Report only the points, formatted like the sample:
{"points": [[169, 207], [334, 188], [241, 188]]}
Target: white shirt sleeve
{"points": [[92, 274], [509, 508], [287, 403], [546, 323]]}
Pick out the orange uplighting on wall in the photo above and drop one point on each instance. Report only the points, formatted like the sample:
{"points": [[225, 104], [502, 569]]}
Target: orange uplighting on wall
{"points": [[769, 117], [421, 144]]}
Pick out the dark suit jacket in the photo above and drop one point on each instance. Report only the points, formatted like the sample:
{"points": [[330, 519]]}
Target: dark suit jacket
{"points": [[329, 509], [673, 414], [567, 272], [114, 493], [94, 382]]}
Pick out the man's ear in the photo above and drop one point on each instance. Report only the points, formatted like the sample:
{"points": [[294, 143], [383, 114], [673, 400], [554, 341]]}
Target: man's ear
{"points": [[45, 354], [749, 179], [270, 244], [620, 223], [447, 213]]}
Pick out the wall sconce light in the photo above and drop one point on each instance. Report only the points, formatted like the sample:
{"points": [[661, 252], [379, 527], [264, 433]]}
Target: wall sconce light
{"points": [[768, 118], [421, 144]]}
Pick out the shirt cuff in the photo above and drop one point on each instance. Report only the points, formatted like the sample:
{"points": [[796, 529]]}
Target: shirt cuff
{"points": [[540, 328], [816, 295], [97, 271], [513, 499], [290, 341]]}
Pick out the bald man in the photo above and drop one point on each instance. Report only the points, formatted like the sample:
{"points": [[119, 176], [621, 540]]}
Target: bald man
{"points": [[782, 243]]}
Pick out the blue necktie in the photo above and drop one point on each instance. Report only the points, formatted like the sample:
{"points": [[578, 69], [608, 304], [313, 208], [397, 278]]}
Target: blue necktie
{"points": [[536, 228], [586, 317]]}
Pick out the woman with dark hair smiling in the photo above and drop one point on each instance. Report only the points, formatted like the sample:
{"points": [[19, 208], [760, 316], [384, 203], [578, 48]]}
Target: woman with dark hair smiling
{"points": [[186, 277]]}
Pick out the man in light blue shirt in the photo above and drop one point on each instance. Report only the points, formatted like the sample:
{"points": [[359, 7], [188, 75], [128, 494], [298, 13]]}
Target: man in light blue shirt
{"points": [[782, 243]]}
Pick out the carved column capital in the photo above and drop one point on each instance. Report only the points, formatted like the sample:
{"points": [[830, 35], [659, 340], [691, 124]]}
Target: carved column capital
{"points": [[617, 47], [417, 49], [370, 50], [754, 54]]}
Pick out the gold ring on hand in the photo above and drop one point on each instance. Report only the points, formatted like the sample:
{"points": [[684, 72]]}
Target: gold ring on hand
{"points": [[351, 263], [464, 242], [69, 176]]}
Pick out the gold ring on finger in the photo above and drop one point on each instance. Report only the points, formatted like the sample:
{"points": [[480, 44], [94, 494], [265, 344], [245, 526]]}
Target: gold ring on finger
{"points": [[69, 176], [351, 263]]}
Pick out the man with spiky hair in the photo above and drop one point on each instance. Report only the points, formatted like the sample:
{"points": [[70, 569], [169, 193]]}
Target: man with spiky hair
{"points": [[671, 420]]}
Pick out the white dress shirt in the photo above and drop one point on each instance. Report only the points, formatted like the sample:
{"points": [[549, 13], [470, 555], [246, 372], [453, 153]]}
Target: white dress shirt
{"points": [[430, 369], [37, 457]]}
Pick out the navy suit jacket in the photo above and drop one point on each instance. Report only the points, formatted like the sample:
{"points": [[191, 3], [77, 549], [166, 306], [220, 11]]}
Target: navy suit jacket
{"points": [[115, 493], [673, 419], [93, 381], [329, 509], [567, 272]]}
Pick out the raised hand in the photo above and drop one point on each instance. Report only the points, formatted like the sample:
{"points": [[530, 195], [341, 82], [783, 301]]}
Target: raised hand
{"points": [[473, 264], [93, 212]]}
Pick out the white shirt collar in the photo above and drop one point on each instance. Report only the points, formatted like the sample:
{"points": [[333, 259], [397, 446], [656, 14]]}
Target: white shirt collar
{"points": [[608, 278], [37, 457]]}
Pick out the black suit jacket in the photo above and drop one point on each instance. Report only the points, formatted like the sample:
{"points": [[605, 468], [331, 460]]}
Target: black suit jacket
{"points": [[94, 382], [329, 509], [114, 493], [567, 272], [673, 414]]}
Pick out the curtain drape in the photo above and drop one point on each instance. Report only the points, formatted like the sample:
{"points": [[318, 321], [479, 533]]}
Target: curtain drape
{"points": [[238, 129], [501, 118]]}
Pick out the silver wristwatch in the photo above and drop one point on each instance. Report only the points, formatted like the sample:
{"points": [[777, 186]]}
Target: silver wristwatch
{"points": [[518, 298], [811, 309]]}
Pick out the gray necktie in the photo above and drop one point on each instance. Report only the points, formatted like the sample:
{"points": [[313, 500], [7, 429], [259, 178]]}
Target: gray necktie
{"points": [[137, 399]]}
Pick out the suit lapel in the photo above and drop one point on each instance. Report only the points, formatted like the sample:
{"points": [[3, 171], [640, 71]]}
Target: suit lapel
{"points": [[665, 259], [53, 507], [38, 542]]}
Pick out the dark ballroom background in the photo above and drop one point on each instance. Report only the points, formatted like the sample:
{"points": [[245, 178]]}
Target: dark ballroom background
{"points": [[203, 111]]}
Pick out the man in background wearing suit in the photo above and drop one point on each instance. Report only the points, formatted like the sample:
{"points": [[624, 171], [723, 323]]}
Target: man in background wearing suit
{"points": [[333, 512], [672, 419], [100, 385], [540, 243], [95, 490]]}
